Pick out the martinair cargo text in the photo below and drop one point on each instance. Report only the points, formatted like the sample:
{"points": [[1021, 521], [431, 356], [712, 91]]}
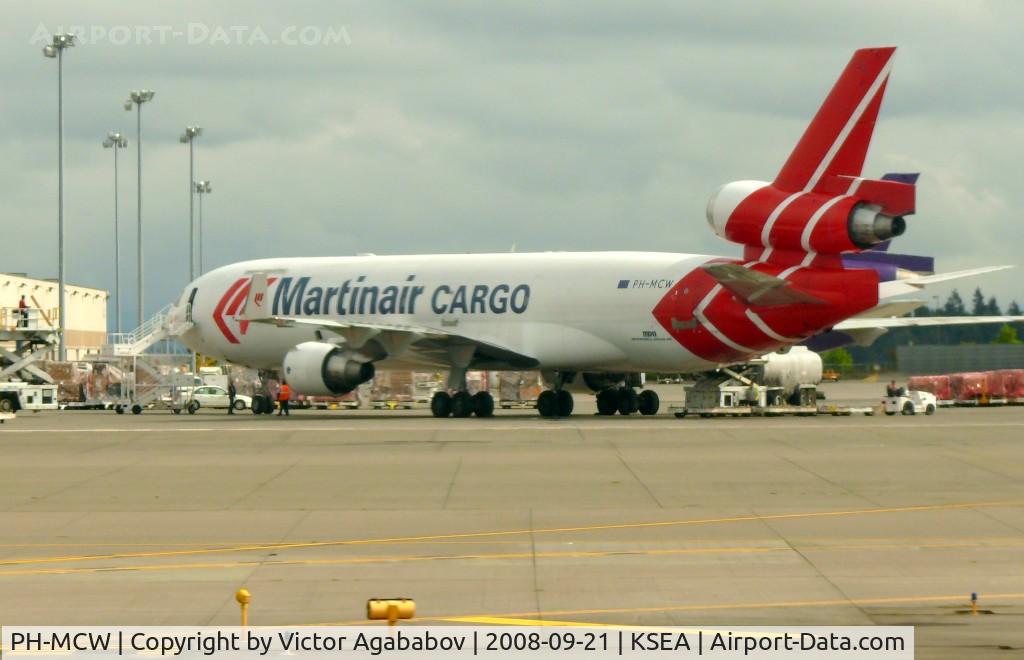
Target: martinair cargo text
{"points": [[814, 269]]}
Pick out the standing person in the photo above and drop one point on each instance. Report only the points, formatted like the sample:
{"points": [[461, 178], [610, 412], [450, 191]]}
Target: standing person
{"points": [[22, 313], [283, 397], [21, 321], [232, 392]]}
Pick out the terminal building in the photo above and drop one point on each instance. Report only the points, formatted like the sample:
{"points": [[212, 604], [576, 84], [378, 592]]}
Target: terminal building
{"points": [[86, 323]]}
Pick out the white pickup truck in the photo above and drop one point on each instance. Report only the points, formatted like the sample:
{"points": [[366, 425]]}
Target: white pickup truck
{"points": [[910, 403]]}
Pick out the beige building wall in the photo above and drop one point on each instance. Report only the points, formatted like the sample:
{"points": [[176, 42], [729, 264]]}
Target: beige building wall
{"points": [[86, 310]]}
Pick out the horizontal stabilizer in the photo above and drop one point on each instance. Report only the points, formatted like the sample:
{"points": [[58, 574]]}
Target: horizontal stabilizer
{"points": [[915, 284], [902, 177], [756, 288], [887, 263]]}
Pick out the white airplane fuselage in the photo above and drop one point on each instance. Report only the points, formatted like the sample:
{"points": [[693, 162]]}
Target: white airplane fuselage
{"points": [[587, 311]]}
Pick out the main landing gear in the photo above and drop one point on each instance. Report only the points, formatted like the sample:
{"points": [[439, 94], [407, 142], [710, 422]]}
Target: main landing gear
{"points": [[555, 403], [462, 404], [626, 401]]}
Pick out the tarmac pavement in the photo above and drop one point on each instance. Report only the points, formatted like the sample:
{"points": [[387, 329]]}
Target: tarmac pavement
{"points": [[159, 518]]}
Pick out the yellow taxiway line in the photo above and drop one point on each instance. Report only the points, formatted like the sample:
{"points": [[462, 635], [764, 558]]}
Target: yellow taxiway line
{"points": [[516, 532], [499, 556]]}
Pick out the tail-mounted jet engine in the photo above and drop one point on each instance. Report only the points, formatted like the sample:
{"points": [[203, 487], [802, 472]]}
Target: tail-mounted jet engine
{"points": [[759, 213], [819, 204], [317, 367]]}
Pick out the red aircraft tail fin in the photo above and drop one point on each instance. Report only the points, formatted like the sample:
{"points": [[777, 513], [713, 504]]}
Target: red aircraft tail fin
{"points": [[836, 141]]}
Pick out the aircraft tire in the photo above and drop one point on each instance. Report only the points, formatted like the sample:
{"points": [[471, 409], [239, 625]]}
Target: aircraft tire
{"points": [[483, 404], [441, 404], [607, 402], [648, 402], [629, 402], [547, 404], [462, 404], [565, 403]]}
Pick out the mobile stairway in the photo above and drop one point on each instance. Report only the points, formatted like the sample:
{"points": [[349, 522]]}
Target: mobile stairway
{"points": [[155, 369]]}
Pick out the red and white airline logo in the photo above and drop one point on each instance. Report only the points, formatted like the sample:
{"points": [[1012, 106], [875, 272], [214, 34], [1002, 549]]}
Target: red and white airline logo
{"points": [[231, 305]]}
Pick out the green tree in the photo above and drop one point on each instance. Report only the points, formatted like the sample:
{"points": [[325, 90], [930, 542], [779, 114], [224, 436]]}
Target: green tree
{"points": [[992, 307], [1013, 309], [1007, 335], [954, 305], [978, 307], [838, 358]]}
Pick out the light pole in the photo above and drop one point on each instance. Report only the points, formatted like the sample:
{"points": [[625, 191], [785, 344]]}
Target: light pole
{"points": [[188, 137], [201, 187], [56, 49], [116, 141], [137, 98]]}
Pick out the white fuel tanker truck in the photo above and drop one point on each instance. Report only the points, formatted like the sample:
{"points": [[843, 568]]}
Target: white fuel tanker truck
{"points": [[776, 384]]}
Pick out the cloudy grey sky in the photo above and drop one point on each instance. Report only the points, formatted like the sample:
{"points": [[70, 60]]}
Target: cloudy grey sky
{"points": [[463, 127]]}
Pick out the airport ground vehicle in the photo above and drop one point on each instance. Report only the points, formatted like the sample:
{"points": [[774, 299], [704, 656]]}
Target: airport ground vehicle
{"points": [[776, 384], [18, 395], [215, 396], [910, 403]]}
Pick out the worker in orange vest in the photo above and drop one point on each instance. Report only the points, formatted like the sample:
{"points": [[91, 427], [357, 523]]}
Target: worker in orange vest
{"points": [[283, 396]]}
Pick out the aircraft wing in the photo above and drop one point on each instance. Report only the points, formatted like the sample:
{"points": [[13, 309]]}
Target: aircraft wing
{"points": [[867, 322], [341, 327], [427, 344], [864, 329], [892, 308]]}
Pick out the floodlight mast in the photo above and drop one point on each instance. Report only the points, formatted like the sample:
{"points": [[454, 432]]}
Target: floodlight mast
{"points": [[55, 49], [116, 141], [188, 137], [201, 188], [136, 98]]}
